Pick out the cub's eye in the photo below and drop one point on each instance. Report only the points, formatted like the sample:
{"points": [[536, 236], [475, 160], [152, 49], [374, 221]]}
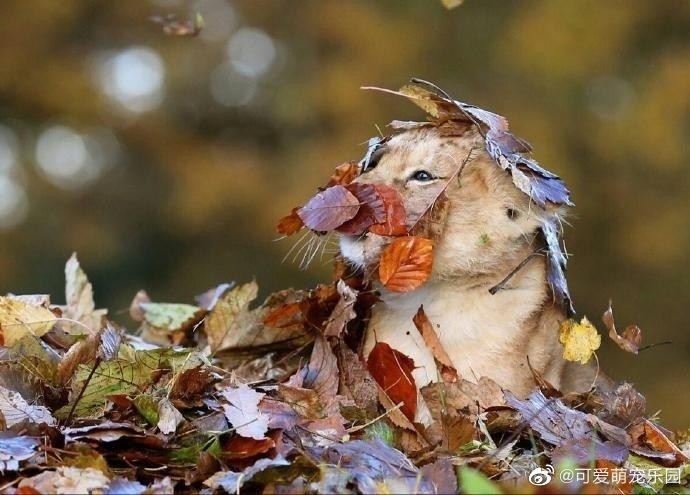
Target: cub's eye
{"points": [[422, 176]]}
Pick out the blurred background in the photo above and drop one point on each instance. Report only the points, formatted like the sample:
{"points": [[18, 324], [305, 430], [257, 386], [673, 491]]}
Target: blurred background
{"points": [[166, 161]]}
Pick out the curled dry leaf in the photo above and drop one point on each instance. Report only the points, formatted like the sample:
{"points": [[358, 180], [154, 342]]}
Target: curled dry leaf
{"points": [[344, 174], [443, 362], [290, 224], [649, 440], [579, 340], [329, 209], [343, 312], [392, 370], [629, 340], [79, 296], [406, 263]]}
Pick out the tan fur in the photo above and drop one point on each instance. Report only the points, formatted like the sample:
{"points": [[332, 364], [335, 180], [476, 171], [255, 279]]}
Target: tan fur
{"points": [[484, 334]]}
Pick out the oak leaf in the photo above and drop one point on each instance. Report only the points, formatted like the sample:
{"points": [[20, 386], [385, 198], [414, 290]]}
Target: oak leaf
{"points": [[406, 263]]}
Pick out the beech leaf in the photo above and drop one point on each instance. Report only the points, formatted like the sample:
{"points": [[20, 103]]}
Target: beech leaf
{"points": [[395, 221], [329, 209], [406, 263], [392, 370]]}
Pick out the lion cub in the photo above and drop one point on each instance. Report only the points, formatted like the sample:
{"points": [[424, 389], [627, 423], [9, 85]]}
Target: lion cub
{"points": [[490, 228]]}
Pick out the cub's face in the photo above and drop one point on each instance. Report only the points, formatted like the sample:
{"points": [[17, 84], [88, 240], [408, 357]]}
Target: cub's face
{"points": [[489, 222]]}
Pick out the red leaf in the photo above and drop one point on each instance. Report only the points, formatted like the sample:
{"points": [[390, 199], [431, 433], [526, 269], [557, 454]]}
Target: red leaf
{"points": [[290, 224], [392, 370], [406, 263], [395, 222], [372, 209], [329, 209]]}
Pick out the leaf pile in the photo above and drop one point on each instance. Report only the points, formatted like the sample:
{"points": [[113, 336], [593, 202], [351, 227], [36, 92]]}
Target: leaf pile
{"points": [[218, 396]]}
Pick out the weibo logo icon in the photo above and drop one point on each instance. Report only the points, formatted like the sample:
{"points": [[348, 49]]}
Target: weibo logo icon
{"points": [[541, 476]]}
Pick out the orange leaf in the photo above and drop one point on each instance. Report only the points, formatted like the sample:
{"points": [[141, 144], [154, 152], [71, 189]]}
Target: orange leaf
{"points": [[406, 263], [443, 362], [290, 224], [392, 370], [344, 174]]}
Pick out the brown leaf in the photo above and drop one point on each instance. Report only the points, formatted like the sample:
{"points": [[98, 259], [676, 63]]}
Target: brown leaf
{"points": [[329, 209], [443, 362], [630, 339], [175, 27], [649, 441], [395, 222], [623, 405], [372, 209], [344, 174], [290, 224], [355, 380], [343, 312], [544, 385], [284, 316], [392, 370], [406, 263], [135, 310], [432, 222]]}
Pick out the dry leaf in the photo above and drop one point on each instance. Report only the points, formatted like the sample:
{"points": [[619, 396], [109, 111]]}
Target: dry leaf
{"points": [[579, 340], [344, 174], [242, 411], [451, 4], [343, 312], [80, 305], [395, 222], [175, 27], [15, 448], [431, 224], [223, 318], [14, 409], [392, 370], [629, 340], [372, 209], [329, 209], [290, 224], [19, 318], [443, 362], [68, 480], [169, 418], [648, 439], [406, 263], [355, 380]]}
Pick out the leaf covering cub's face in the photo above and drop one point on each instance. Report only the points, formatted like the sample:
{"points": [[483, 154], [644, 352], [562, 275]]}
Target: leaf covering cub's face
{"points": [[489, 225]]}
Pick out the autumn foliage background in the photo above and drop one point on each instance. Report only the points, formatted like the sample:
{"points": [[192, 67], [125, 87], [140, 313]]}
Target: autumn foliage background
{"points": [[165, 162]]}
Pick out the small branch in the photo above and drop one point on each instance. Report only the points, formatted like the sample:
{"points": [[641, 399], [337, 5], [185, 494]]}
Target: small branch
{"points": [[501, 285], [96, 364], [381, 416], [665, 342]]}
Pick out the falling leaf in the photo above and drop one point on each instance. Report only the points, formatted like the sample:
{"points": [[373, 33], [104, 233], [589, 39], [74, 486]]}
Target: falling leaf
{"points": [[14, 449], [169, 418], [19, 318], [392, 370], [395, 222], [243, 411], [344, 174], [406, 263], [444, 364], [343, 312], [329, 209], [290, 224], [15, 409], [80, 305], [631, 337], [579, 340], [174, 27]]}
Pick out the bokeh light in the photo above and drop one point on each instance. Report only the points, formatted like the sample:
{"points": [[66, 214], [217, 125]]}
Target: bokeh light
{"points": [[251, 52], [220, 19], [14, 203], [231, 88]]}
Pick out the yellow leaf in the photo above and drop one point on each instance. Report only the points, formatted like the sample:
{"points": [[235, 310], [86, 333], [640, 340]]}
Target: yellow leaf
{"points": [[579, 340], [451, 4], [19, 318]]}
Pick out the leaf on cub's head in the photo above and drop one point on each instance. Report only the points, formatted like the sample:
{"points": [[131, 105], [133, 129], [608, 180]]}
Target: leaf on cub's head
{"points": [[392, 370], [344, 174], [579, 340], [629, 340], [329, 209], [406, 263], [19, 318], [290, 224]]}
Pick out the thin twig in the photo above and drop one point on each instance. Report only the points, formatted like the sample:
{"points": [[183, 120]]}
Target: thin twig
{"points": [[96, 364], [501, 285], [381, 416], [665, 342]]}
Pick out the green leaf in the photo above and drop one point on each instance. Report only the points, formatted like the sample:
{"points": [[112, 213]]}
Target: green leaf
{"points": [[473, 482], [147, 406], [170, 316]]}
